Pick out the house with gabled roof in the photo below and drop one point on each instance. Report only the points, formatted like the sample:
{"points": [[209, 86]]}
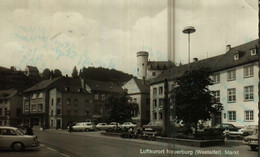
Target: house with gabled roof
{"points": [[139, 93], [55, 102], [235, 77]]}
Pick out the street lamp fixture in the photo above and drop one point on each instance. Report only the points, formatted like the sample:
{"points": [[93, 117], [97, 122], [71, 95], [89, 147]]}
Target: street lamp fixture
{"points": [[188, 30]]}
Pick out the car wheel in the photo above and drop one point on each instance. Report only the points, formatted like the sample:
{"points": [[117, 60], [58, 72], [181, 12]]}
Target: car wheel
{"points": [[17, 146], [253, 147], [86, 129]]}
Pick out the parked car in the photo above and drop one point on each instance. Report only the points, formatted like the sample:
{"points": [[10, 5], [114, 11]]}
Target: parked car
{"points": [[113, 125], [252, 140], [223, 127], [11, 137], [102, 126], [83, 126], [128, 125], [153, 126], [249, 130]]}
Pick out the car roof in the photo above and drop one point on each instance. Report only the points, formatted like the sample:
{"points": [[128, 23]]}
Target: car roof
{"points": [[7, 127]]}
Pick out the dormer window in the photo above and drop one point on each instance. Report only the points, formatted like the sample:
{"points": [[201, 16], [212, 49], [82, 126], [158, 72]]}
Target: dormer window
{"points": [[236, 56], [253, 52]]}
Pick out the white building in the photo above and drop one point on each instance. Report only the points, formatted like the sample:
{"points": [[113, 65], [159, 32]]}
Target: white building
{"points": [[138, 92], [235, 76]]}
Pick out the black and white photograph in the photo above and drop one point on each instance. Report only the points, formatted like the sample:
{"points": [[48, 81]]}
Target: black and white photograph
{"points": [[129, 78]]}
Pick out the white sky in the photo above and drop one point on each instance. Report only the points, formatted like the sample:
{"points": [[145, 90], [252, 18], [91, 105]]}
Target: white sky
{"points": [[108, 33]]}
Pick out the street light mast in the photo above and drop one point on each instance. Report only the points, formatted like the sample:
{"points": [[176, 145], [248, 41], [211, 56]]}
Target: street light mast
{"points": [[188, 30]]}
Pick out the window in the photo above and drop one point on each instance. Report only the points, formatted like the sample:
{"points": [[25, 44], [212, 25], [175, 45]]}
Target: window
{"points": [[34, 96], [216, 78], [58, 111], [249, 93], [40, 107], [87, 113], [217, 95], [135, 100], [154, 103], [68, 101], [75, 101], [1, 112], [103, 96], [253, 52], [154, 90], [160, 90], [231, 75], [51, 112], [96, 96], [232, 115], [40, 95], [33, 107], [153, 73], [161, 115], [26, 107], [142, 64], [52, 102], [58, 101], [248, 71], [131, 100], [155, 116], [232, 95], [51, 122], [249, 115], [161, 102], [137, 69], [236, 56], [18, 111]]}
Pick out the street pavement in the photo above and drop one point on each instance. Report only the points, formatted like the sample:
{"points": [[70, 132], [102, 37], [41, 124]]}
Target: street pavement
{"points": [[92, 144]]}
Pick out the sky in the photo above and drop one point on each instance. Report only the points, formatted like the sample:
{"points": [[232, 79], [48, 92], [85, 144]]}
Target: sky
{"points": [[61, 34]]}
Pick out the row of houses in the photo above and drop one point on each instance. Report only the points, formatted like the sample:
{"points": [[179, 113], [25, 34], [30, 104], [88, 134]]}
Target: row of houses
{"points": [[55, 102]]}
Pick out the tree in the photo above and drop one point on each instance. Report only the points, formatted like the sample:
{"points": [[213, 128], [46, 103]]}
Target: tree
{"points": [[57, 73], [75, 72], [120, 108], [193, 101], [46, 74]]}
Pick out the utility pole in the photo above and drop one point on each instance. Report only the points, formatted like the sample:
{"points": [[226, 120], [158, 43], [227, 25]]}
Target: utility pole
{"points": [[166, 108]]}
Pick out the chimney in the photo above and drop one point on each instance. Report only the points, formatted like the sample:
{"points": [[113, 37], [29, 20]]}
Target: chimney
{"points": [[228, 47], [195, 59]]}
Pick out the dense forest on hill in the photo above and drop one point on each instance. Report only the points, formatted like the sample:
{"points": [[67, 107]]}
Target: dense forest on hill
{"points": [[104, 74], [11, 78]]}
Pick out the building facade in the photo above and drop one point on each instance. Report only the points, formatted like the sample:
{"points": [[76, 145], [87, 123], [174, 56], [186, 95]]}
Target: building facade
{"points": [[100, 92], [139, 94], [11, 104], [235, 78]]}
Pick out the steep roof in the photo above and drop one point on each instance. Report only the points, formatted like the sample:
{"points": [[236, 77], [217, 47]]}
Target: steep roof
{"points": [[215, 64], [74, 85], [160, 65], [144, 87], [103, 86], [42, 85], [7, 94]]}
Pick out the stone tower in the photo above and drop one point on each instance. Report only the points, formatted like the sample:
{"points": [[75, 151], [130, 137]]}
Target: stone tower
{"points": [[142, 61]]}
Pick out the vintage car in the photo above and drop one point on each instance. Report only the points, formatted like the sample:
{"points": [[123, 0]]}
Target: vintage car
{"points": [[153, 126], [128, 125], [11, 137], [114, 125], [252, 140], [102, 126], [249, 129], [83, 126]]}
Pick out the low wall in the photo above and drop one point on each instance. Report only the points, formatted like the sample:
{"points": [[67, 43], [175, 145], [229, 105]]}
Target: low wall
{"points": [[194, 143]]}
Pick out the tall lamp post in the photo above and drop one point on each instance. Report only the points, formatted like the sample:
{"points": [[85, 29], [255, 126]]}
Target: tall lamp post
{"points": [[188, 30]]}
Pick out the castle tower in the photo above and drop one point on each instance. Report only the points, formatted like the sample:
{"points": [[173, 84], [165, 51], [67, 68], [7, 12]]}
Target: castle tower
{"points": [[142, 61]]}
